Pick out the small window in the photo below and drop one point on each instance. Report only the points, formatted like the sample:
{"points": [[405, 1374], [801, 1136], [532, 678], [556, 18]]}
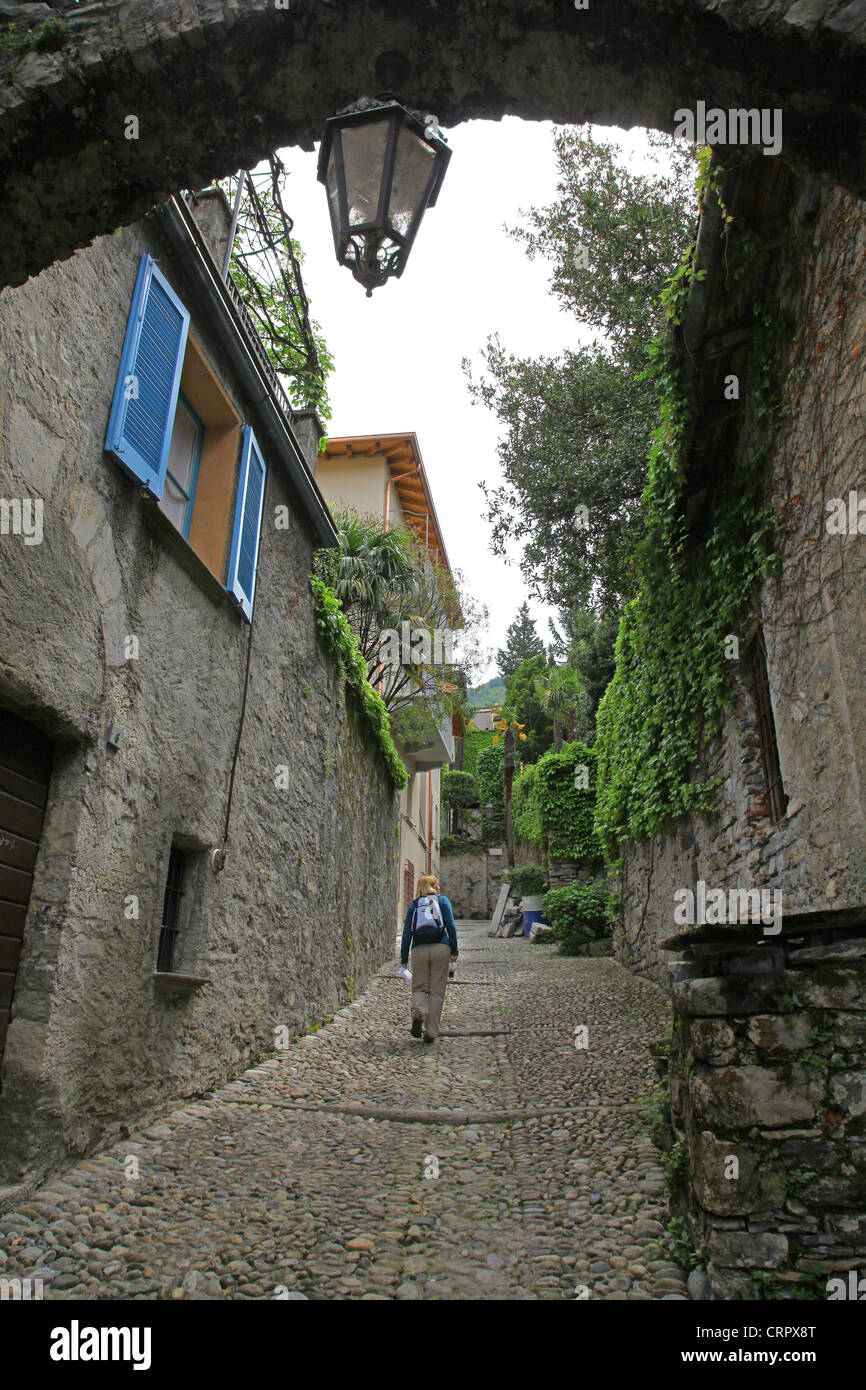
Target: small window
{"points": [[777, 801], [171, 910]]}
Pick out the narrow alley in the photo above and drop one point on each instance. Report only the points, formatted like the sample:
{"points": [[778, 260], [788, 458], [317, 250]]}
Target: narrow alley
{"points": [[503, 1162]]}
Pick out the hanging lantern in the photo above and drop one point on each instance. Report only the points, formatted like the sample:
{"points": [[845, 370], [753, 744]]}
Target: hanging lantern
{"points": [[382, 166]]}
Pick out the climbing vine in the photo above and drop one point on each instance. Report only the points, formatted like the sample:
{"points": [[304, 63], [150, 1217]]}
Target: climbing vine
{"points": [[474, 742], [491, 779], [672, 682], [554, 803], [331, 622]]}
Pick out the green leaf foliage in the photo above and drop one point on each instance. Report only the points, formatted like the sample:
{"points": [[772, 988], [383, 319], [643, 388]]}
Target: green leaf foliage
{"points": [[672, 683], [551, 812], [579, 913], [459, 789], [527, 880], [332, 624], [474, 743], [491, 778], [526, 706]]}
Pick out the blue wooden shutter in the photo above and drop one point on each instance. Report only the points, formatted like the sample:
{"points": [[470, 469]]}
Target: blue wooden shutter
{"points": [[241, 581], [145, 397]]}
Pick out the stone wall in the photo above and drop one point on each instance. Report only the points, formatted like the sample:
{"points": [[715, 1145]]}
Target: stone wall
{"points": [[253, 78], [813, 621], [471, 879], [768, 1096], [303, 911]]}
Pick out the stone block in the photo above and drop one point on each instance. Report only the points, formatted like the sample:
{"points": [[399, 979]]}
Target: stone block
{"points": [[757, 1186], [786, 1033], [748, 1249], [737, 1097], [831, 951], [830, 987], [539, 932], [712, 1041], [849, 1030], [848, 1089], [727, 1283], [736, 994]]}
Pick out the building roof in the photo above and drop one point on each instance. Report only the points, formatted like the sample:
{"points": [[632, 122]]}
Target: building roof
{"points": [[406, 466]]}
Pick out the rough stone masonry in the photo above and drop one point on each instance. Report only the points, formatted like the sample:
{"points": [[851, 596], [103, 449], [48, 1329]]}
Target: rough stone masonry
{"points": [[217, 84]]}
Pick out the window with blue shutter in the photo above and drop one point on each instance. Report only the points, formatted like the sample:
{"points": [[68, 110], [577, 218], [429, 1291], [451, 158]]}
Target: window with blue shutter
{"points": [[244, 555], [145, 398]]}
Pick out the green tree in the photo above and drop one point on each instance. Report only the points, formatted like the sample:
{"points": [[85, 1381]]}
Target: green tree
{"points": [[587, 642], [521, 641], [525, 705], [577, 429], [385, 579], [562, 695]]}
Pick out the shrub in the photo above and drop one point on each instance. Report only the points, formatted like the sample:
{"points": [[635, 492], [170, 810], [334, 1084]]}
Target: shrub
{"points": [[579, 913], [528, 879], [553, 810], [459, 789]]}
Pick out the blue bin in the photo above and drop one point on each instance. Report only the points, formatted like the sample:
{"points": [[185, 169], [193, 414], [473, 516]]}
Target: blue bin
{"points": [[529, 918]]}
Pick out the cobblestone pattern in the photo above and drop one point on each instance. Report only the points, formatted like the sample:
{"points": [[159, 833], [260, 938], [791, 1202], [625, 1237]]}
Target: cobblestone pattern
{"points": [[247, 1190]]}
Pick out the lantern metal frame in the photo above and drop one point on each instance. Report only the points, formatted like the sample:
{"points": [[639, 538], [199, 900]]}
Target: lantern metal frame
{"points": [[360, 246]]}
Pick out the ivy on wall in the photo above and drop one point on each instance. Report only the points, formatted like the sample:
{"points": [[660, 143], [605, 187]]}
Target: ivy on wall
{"points": [[474, 742], [490, 775], [331, 622], [553, 804], [672, 682]]}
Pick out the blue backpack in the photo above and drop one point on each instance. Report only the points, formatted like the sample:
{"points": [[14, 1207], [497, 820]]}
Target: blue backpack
{"points": [[428, 929]]}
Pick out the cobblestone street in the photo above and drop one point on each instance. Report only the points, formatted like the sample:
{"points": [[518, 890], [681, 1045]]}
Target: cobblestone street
{"points": [[500, 1163]]}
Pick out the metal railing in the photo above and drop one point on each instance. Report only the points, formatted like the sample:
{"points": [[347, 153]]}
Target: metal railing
{"points": [[260, 352]]}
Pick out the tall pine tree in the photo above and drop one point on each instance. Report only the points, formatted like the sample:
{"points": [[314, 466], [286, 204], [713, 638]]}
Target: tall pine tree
{"points": [[521, 642]]}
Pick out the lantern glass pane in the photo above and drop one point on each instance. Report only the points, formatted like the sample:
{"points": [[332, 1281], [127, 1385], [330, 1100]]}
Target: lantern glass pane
{"points": [[412, 171], [333, 198], [364, 160]]}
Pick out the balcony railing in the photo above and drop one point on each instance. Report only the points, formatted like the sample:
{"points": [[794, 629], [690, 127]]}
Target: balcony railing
{"points": [[258, 347]]}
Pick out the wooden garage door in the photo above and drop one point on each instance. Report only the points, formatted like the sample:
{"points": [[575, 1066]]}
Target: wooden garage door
{"points": [[25, 769]]}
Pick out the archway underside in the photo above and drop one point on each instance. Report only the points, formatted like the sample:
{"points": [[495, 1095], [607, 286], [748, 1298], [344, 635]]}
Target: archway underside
{"points": [[216, 84]]}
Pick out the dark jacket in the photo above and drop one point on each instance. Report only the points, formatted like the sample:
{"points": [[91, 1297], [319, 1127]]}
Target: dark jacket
{"points": [[447, 918]]}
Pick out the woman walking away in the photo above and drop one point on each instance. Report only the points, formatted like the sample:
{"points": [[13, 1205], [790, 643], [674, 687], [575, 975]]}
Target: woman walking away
{"points": [[430, 933]]}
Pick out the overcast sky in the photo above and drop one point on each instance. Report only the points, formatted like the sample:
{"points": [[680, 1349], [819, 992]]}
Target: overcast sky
{"points": [[398, 354]]}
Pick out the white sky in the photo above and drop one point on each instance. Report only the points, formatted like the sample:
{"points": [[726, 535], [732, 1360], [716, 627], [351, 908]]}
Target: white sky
{"points": [[397, 355]]}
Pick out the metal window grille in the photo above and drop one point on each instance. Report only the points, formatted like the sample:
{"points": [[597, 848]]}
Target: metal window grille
{"points": [[777, 801], [171, 910]]}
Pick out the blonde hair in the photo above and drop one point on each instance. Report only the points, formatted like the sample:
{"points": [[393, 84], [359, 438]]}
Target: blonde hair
{"points": [[427, 884]]}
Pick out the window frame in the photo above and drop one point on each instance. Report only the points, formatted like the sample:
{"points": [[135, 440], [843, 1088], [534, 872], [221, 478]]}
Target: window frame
{"points": [[771, 766], [200, 427], [173, 893]]}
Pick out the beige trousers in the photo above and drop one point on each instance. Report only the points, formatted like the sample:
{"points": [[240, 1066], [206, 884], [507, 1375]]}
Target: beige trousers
{"points": [[429, 978]]}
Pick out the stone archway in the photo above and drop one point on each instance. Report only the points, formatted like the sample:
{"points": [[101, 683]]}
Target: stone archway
{"points": [[216, 84]]}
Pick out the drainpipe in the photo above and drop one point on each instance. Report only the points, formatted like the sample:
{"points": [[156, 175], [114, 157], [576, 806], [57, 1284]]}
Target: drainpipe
{"points": [[429, 820], [392, 479]]}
